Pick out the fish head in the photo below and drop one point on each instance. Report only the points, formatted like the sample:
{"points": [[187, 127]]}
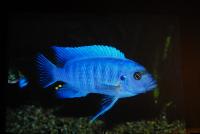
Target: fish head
{"points": [[136, 79]]}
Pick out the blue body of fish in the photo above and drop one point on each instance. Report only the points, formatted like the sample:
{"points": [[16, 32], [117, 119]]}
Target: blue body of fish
{"points": [[94, 69]]}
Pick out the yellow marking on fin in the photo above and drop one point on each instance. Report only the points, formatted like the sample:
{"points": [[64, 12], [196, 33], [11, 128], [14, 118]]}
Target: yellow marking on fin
{"points": [[57, 87]]}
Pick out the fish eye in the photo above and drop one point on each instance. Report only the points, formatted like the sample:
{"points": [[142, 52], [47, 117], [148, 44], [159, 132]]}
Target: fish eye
{"points": [[123, 77], [137, 75]]}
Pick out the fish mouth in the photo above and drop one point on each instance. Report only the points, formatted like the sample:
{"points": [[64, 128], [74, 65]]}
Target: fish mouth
{"points": [[152, 85]]}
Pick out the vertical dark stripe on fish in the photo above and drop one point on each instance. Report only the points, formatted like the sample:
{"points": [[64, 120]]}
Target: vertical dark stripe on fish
{"points": [[91, 75], [75, 78], [82, 75], [69, 73], [92, 72], [107, 77], [115, 70], [78, 77], [98, 74]]}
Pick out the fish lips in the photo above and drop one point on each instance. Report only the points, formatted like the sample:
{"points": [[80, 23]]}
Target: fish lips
{"points": [[148, 87], [151, 86]]}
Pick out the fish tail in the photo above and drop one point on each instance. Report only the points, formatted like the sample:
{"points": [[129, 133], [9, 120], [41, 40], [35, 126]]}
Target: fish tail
{"points": [[23, 82], [46, 70]]}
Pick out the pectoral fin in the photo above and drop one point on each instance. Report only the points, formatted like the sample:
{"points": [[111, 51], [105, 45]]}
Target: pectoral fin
{"points": [[107, 103], [110, 89], [108, 86]]}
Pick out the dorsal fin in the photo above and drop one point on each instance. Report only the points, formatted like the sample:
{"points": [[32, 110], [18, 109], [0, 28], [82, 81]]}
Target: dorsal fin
{"points": [[64, 54]]}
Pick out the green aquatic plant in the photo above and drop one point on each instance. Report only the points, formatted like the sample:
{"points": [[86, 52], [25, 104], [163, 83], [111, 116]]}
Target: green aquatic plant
{"points": [[166, 47], [33, 119], [157, 63], [159, 126], [156, 91]]}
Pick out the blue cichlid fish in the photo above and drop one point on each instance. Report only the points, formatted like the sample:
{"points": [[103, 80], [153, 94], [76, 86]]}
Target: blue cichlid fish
{"points": [[16, 76], [94, 69]]}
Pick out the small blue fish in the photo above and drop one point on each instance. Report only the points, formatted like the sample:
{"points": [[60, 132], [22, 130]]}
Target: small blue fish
{"points": [[94, 69], [16, 76]]}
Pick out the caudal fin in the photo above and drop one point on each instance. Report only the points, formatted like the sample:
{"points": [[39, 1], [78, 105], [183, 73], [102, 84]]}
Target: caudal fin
{"points": [[46, 71]]}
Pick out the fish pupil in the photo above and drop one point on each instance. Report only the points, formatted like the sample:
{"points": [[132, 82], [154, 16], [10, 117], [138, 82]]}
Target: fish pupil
{"points": [[137, 75]]}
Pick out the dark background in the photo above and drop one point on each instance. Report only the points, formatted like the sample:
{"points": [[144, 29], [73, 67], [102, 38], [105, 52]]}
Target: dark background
{"points": [[139, 33]]}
